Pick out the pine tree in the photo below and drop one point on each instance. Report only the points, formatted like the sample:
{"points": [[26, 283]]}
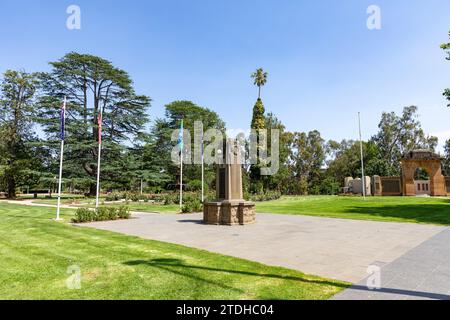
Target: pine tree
{"points": [[258, 119], [92, 84]]}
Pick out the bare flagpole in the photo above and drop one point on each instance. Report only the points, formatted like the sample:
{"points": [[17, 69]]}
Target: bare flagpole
{"points": [[181, 144], [63, 121], [203, 171], [362, 158]]}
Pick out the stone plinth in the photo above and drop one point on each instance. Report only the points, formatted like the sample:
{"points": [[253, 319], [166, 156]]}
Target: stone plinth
{"points": [[229, 213]]}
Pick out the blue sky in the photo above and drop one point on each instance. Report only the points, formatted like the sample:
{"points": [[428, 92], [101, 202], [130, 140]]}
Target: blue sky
{"points": [[324, 64]]}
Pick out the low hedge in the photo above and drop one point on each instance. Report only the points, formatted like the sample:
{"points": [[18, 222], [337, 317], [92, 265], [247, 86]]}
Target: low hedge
{"points": [[101, 214], [192, 205], [263, 196]]}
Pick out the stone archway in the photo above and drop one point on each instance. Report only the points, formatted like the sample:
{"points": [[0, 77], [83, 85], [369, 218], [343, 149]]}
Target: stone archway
{"points": [[429, 161]]}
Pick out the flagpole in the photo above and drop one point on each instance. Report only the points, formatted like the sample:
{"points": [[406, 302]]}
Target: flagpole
{"points": [[203, 179], [181, 180], [63, 119], [99, 157], [203, 171], [362, 158], [181, 165]]}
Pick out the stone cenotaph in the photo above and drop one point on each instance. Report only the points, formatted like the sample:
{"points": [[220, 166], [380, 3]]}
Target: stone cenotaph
{"points": [[230, 208]]}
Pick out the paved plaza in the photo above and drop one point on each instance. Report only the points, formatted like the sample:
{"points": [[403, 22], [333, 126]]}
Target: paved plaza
{"points": [[334, 248], [421, 273]]}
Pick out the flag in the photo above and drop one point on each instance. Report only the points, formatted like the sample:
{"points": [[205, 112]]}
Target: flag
{"points": [[202, 142], [180, 137], [100, 128], [99, 119], [63, 119]]}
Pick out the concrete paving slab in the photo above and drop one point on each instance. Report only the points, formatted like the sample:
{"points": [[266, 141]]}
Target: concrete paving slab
{"points": [[421, 273], [334, 248]]}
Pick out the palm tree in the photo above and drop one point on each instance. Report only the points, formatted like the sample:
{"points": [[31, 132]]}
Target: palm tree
{"points": [[260, 79]]}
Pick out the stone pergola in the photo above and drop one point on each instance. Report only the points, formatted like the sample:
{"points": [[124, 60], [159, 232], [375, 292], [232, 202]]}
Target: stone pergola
{"points": [[427, 160]]}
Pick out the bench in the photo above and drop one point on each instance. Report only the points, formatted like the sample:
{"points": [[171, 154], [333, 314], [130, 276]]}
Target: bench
{"points": [[39, 191]]}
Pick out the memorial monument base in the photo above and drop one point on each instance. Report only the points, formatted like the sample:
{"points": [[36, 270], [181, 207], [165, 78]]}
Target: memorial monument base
{"points": [[229, 212]]}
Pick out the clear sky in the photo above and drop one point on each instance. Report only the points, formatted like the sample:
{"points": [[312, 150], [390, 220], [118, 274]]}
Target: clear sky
{"points": [[324, 64]]}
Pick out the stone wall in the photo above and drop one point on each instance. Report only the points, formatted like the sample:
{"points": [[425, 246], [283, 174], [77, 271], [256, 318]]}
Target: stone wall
{"points": [[391, 186], [447, 185], [229, 213]]}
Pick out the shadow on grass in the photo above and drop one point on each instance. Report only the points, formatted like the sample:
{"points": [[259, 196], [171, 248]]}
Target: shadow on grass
{"points": [[179, 267], [423, 213]]}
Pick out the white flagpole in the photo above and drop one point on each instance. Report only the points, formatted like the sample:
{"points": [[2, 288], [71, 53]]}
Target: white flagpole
{"points": [[203, 171], [98, 161], [181, 178], [203, 180], [181, 142], [61, 163], [362, 158]]}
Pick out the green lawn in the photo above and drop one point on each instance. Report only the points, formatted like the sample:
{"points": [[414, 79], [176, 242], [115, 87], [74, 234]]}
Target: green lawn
{"points": [[147, 207], [400, 209], [36, 252], [134, 206]]}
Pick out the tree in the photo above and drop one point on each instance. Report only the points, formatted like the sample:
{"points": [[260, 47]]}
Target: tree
{"points": [[258, 119], [279, 180], [446, 48], [92, 85], [17, 92], [346, 160], [260, 79], [258, 123], [306, 158], [446, 164], [157, 153], [399, 134]]}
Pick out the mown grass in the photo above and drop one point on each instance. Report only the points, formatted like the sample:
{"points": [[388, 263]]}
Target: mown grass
{"points": [[90, 203], [36, 253], [399, 209]]}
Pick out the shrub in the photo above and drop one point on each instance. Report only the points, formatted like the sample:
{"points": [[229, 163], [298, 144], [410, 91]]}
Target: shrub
{"points": [[133, 197], [171, 199], [113, 197], [192, 205], [186, 208], [194, 185], [123, 212], [264, 196], [101, 214], [84, 215], [197, 206]]}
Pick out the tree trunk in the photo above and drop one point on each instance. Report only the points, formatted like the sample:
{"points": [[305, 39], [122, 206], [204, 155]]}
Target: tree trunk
{"points": [[92, 189], [11, 181]]}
